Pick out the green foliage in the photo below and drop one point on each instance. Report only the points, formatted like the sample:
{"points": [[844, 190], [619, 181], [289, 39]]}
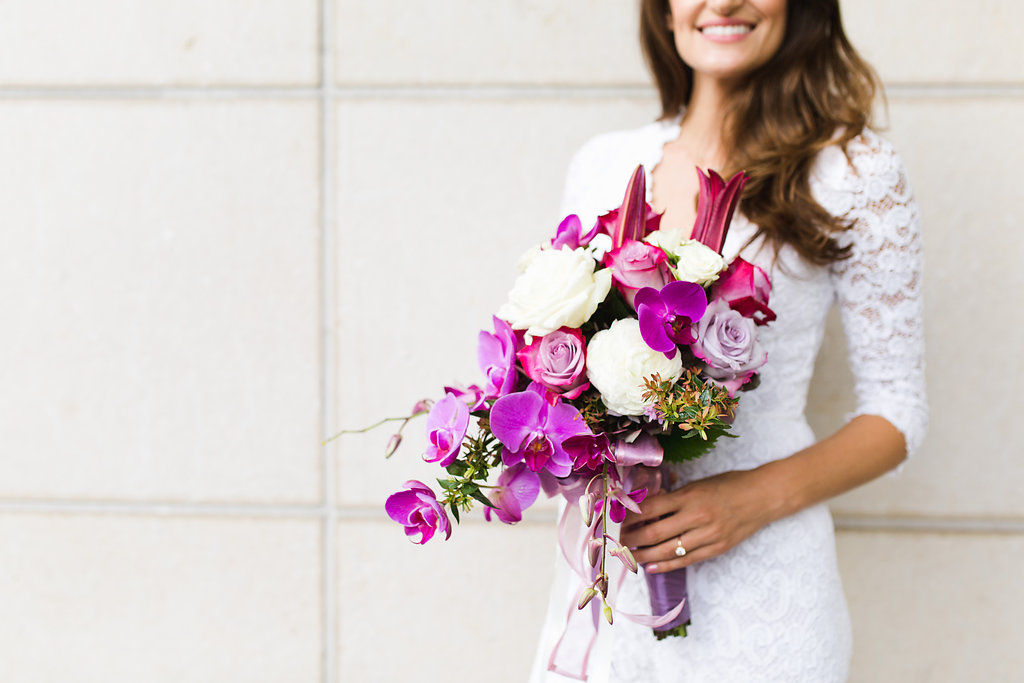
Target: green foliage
{"points": [[470, 471]]}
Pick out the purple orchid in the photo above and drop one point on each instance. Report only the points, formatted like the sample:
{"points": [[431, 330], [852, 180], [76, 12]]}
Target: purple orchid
{"points": [[532, 430], [517, 490], [570, 233], [622, 497], [446, 428], [588, 451], [473, 396], [666, 316], [716, 203], [418, 510], [496, 356]]}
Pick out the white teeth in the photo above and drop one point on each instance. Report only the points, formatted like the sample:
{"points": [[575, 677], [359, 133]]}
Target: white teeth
{"points": [[727, 30]]}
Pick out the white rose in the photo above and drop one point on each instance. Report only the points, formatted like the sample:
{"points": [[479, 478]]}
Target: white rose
{"points": [[524, 261], [618, 362], [666, 240], [559, 287], [698, 262]]}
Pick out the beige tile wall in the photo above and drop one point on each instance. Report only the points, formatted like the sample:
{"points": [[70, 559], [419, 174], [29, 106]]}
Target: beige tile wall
{"points": [[231, 228]]}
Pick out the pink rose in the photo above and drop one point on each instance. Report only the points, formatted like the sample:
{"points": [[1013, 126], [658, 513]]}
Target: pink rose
{"points": [[418, 510], [636, 265], [727, 342], [746, 288], [558, 361]]}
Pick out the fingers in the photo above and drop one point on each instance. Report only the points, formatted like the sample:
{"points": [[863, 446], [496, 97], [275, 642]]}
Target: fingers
{"points": [[694, 556], [667, 551], [655, 506]]}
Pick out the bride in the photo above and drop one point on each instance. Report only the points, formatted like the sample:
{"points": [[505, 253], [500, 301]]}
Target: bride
{"points": [[774, 88]]}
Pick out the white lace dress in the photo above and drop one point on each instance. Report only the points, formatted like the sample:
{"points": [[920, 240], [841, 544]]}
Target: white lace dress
{"points": [[772, 608]]}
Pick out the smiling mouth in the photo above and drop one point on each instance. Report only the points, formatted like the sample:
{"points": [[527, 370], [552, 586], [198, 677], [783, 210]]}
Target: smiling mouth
{"points": [[726, 29]]}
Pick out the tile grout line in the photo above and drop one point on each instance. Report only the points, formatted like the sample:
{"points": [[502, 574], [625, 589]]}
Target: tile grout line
{"points": [[327, 351], [370, 512], [328, 91]]}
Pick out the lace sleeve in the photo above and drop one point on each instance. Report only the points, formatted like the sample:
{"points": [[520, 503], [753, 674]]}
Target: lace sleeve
{"points": [[879, 289]]}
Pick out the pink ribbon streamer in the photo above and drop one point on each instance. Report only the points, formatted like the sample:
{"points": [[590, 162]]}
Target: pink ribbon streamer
{"points": [[581, 627]]}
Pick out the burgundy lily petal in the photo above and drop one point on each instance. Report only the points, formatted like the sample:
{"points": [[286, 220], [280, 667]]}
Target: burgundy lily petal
{"points": [[716, 203]]}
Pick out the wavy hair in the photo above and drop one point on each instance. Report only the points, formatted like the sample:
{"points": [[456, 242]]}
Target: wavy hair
{"points": [[814, 92]]}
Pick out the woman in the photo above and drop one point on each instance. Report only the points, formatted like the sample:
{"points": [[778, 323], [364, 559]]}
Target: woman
{"points": [[773, 88]]}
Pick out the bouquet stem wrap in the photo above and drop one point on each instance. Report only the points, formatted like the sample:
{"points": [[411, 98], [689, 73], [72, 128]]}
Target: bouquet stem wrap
{"points": [[668, 590]]}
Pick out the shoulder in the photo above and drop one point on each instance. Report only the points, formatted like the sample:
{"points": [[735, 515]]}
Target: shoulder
{"points": [[600, 169], [868, 171]]}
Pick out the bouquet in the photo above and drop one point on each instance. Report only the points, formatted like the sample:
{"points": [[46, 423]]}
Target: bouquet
{"points": [[620, 348]]}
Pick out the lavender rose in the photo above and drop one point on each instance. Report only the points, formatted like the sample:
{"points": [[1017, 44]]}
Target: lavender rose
{"points": [[727, 342], [557, 360], [418, 510]]}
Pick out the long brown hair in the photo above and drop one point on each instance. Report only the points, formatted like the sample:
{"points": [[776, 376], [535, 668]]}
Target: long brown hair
{"points": [[815, 91]]}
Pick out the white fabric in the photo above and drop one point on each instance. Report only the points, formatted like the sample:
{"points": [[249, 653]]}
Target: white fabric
{"points": [[772, 609]]}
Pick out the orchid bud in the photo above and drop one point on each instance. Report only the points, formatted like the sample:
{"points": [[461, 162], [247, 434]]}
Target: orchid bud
{"points": [[607, 613], [586, 596], [587, 508], [594, 547], [602, 585], [422, 406], [624, 554], [393, 443]]}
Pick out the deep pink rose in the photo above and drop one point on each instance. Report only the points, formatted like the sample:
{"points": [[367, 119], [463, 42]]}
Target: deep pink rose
{"points": [[636, 265], [746, 288], [558, 361], [727, 342], [418, 510]]}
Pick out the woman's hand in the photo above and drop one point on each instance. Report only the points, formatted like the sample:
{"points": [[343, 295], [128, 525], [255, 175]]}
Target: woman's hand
{"points": [[706, 517]]}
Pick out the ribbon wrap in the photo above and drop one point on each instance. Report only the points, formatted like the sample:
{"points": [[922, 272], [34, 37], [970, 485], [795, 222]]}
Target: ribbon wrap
{"points": [[637, 459]]}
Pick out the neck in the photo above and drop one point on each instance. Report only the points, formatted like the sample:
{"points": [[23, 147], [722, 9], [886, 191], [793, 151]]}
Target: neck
{"points": [[702, 125]]}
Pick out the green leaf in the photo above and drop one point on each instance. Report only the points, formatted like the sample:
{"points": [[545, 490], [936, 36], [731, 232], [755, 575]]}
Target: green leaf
{"points": [[455, 511], [680, 447], [481, 498], [457, 468], [446, 484]]}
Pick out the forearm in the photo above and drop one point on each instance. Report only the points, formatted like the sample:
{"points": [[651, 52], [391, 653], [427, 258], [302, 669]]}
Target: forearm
{"points": [[864, 449]]}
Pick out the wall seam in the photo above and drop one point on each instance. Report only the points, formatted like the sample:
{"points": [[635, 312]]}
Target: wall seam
{"points": [[452, 91], [327, 339]]}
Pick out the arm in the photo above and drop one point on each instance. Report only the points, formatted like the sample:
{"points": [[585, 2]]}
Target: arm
{"points": [[879, 294]]}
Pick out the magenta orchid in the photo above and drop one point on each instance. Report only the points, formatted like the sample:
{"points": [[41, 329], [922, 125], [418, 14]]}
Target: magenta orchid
{"points": [[473, 396], [517, 490], [666, 316], [532, 430], [496, 356], [588, 451], [417, 509], [558, 361], [716, 203], [746, 288], [570, 233], [447, 424]]}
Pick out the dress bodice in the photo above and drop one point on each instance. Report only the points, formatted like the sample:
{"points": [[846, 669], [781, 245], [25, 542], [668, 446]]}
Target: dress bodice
{"points": [[877, 289]]}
